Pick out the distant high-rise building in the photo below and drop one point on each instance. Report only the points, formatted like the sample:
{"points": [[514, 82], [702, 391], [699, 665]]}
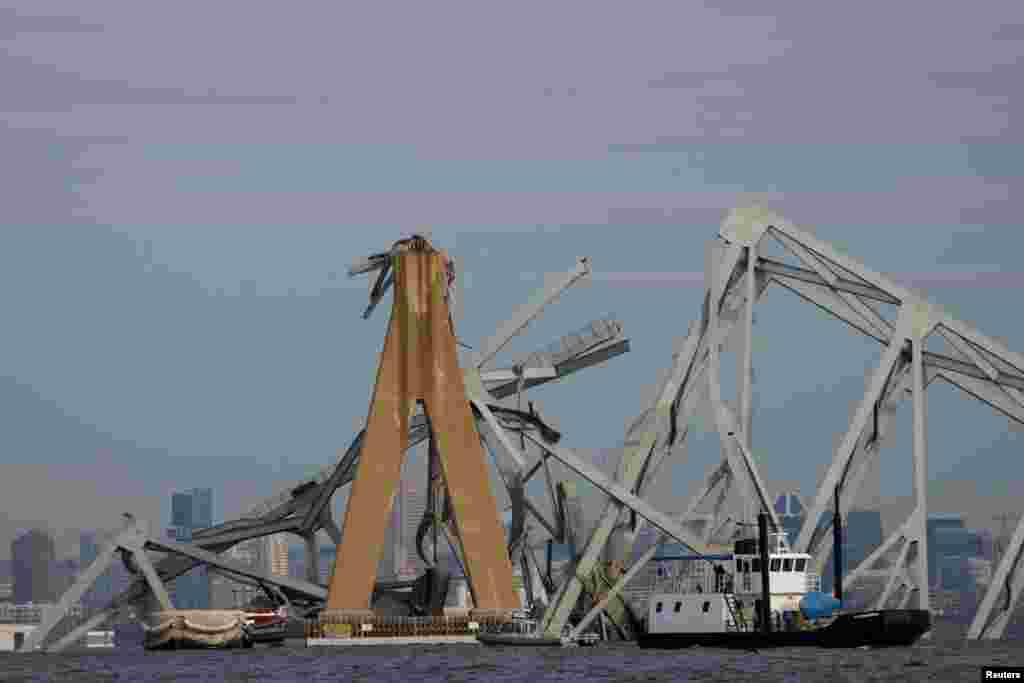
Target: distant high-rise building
{"points": [[987, 541], [790, 512], [276, 550], [413, 505], [63, 574], [225, 592], [181, 510], [863, 535], [297, 563], [190, 511], [393, 558], [326, 563], [950, 547], [33, 558], [941, 525]]}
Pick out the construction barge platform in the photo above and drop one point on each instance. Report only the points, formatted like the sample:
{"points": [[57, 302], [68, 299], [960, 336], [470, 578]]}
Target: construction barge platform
{"points": [[330, 630]]}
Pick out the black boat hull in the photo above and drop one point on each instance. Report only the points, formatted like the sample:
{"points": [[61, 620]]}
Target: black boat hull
{"points": [[882, 628], [517, 640], [273, 633]]}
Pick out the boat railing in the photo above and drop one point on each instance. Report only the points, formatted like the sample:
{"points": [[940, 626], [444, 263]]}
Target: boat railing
{"points": [[738, 622], [813, 583], [690, 576]]}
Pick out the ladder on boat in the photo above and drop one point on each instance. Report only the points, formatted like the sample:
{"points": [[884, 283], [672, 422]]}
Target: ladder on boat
{"points": [[736, 622]]}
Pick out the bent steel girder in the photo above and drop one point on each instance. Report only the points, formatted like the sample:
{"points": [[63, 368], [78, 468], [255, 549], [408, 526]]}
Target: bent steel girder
{"points": [[978, 365], [568, 594], [846, 289], [303, 508], [135, 540], [339, 474], [294, 510], [718, 475], [991, 619], [665, 421], [735, 435]]}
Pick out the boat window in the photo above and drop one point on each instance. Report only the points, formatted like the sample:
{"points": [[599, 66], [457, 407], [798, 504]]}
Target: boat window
{"points": [[756, 564], [776, 563], [739, 566], [801, 564], [707, 606], [746, 566], [657, 608], [679, 606], [787, 564]]}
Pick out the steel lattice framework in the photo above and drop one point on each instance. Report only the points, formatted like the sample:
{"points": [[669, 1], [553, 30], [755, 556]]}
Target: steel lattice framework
{"points": [[902, 321], [304, 508], [737, 275]]}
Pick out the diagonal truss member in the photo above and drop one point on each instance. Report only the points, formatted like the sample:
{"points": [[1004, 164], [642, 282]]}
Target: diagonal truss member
{"points": [[737, 275]]}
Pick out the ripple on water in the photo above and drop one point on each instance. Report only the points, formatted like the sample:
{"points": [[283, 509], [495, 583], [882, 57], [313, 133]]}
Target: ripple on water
{"points": [[947, 661]]}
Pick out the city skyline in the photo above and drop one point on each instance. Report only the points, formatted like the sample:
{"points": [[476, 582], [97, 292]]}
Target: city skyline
{"points": [[961, 561]]}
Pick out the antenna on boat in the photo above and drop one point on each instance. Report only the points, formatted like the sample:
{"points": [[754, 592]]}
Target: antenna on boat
{"points": [[837, 549], [766, 592]]}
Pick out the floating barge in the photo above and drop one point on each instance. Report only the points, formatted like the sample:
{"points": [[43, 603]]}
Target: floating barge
{"points": [[214, 629], [195, 629], [328, 630]]}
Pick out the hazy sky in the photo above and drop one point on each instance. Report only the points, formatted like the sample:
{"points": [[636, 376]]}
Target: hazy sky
{"points": [[181, 193]]}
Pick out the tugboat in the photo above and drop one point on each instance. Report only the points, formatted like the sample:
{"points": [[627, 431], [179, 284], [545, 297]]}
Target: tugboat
{"points": [[766, 598]]}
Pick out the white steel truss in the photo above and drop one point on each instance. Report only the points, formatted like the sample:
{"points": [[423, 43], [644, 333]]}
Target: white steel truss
{"points": [[737, 274]]}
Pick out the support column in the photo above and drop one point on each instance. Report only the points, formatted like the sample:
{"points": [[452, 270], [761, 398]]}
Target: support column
{"points": [[53, 616], [899, 569], [1008, 575], [312, 558], [920, 453], [152, 578], [81, 630], [420, 362], [747, 369]]}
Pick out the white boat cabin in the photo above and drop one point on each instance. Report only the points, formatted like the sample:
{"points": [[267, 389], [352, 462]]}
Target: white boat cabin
{"points": [[788, 571], [723, 592]]}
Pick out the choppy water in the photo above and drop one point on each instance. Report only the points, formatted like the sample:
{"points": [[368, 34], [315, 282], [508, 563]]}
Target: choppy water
{"points": [[955, 660]]}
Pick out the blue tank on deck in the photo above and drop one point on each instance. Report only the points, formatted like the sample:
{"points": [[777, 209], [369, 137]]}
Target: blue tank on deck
{"points": [[817, 605]]}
